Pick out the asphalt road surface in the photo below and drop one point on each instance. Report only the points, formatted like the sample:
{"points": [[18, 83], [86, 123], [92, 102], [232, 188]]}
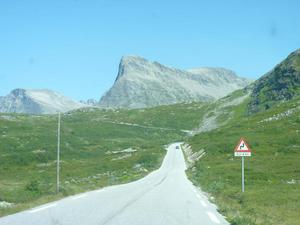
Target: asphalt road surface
{"points": [[164, 197]]}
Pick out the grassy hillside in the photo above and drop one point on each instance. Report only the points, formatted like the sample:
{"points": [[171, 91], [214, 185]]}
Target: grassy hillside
{"points": [[178, 116], [280, 84], [272, 173], [91, 152]]}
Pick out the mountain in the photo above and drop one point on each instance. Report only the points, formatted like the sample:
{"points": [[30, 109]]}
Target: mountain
{"points": [[37, 102], [280, 84], [89, 102], [141, 83]]}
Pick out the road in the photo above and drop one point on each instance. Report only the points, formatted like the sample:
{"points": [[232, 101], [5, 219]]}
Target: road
{"points": [[164, 197]]}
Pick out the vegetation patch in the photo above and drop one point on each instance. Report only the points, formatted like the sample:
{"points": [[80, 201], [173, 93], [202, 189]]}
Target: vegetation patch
{"points": [[94, 153], [272, 173]]}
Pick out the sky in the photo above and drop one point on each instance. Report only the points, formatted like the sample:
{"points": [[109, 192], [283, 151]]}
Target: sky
{"points": [[74, 46]]}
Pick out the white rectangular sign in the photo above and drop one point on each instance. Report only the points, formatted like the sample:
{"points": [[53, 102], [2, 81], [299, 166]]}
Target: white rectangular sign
{"points": [[242, 154]]}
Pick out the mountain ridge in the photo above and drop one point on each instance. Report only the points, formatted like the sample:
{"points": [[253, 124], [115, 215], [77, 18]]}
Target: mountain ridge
{"points": [[36, 101], [279, 84], [141, 83]]}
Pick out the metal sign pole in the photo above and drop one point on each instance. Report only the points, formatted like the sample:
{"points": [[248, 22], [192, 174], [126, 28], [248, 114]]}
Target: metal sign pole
{"points": [[58, 153], [242, 150], [243, 175]]}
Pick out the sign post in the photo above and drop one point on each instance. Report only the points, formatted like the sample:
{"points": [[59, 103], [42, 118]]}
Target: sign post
{"points": [[243, 174], [242, 150], [58, 154]]}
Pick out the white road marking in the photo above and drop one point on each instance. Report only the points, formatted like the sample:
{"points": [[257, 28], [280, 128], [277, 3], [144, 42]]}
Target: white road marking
{"points": [[213, 217], [78, 196], [203, 203], [42, 208]]}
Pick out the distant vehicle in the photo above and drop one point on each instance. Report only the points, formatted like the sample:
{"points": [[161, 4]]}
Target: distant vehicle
{"points": [[177, 147]]}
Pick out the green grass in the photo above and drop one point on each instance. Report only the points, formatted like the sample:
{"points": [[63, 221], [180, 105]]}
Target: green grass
{"points": [[178, 116], [269, 198]]}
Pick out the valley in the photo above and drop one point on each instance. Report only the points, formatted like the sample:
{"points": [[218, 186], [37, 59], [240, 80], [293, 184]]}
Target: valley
{"points": [[149, 112], [104, 147]]}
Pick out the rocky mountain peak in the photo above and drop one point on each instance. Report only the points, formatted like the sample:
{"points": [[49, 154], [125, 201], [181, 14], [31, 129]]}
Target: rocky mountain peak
{"points": [[141, 83], [130, 62], [127, 59], [19, 92]]}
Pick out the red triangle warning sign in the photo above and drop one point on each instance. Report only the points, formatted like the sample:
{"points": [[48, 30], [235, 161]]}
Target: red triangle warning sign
{"points": [[242, 149]]}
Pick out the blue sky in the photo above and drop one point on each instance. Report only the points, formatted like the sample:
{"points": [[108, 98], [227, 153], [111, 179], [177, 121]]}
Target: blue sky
{"points": [[74, 46]]}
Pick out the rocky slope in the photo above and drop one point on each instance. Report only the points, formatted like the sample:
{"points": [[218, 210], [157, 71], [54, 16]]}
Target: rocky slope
{"points": [[141, 83], [89, 102], [280, 84], [36, 102]]}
